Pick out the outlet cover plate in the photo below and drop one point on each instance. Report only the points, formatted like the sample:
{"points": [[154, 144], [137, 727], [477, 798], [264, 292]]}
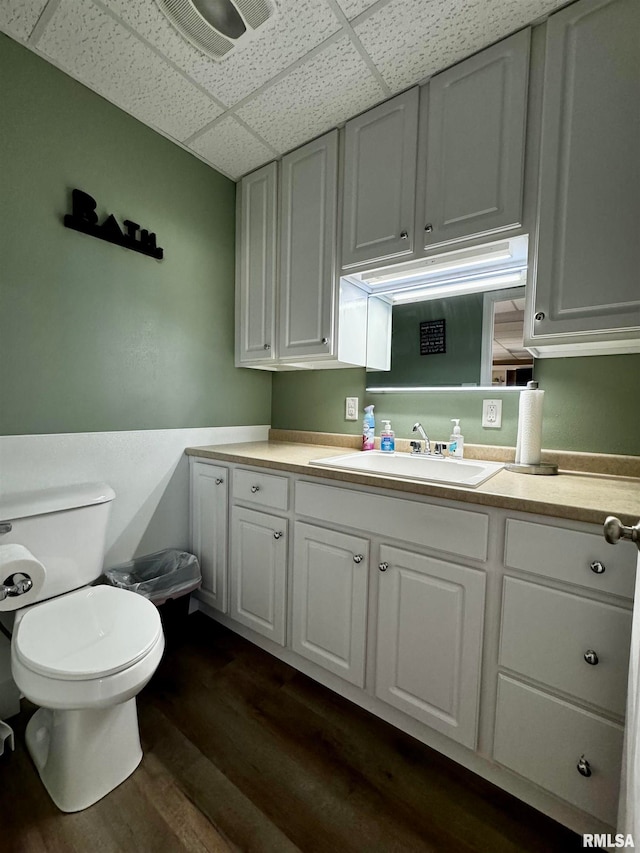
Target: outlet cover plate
{"points": [[351, 409], [492, 414]]}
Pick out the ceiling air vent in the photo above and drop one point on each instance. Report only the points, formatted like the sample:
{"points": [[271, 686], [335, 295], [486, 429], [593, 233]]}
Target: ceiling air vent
{"points": [[218, 27]]}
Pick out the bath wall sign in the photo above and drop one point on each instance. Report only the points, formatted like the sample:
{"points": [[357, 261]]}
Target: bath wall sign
{"points": [[83, 217]]}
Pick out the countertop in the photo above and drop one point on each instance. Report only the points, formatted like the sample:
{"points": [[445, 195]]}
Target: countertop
{"points": [[572, 495]]}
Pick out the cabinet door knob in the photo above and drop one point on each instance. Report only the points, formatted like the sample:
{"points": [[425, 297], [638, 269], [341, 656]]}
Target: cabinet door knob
{"points": [[255, 489], [277, 534], [325, 341], [584, 768], [597, 567], [219, 481], [428, 228], [591, 657], [540, 316], [358, 558], [267, 346], [383, 566], [614, 531], [404, 235]]}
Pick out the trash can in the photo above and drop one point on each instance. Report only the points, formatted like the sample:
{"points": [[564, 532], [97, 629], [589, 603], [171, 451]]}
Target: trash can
{"points": [[166, 574]]}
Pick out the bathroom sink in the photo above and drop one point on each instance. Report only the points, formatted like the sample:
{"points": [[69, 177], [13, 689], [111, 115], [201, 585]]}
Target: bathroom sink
{"points": [[408, 466]]}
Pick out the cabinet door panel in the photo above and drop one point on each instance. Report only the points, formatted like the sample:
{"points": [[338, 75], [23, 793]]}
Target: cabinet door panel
{"points": [[257, 213], [475, 139], [307, 248], [379, 182], [258, 572], [209, 494], [430, 625], [330, 582], [589, 251]]}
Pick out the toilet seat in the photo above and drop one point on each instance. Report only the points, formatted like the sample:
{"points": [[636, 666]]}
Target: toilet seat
{"points": [[89, 634]]}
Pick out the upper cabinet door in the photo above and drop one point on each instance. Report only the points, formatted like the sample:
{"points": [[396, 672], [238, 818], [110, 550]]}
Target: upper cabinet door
{"points": [[257, 253], [380, 182], [588, 269], [472, 144], [309, 187]]}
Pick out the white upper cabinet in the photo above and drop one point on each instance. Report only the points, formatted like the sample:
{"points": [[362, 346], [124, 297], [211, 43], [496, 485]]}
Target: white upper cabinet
{"points": [[471, 159], [256, 221], [380, 182], [308, 209], [584, 294]]}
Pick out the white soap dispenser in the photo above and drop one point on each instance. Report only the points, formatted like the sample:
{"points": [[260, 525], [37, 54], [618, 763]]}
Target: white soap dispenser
{"points": [[456, 446]]}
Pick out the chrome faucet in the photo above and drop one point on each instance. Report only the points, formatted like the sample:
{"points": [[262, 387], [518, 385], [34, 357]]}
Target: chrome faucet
{"points": [[417, 427]]}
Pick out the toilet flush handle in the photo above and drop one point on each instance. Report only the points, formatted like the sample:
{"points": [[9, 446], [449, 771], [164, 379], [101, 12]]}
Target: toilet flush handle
{"points": [[14, 585]]}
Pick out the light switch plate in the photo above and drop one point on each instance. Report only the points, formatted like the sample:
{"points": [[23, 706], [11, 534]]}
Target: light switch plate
{"points": [[492, 414], [351, 409]]}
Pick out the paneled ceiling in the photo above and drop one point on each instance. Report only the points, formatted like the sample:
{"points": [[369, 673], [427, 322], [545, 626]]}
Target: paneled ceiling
{"points": [[314, 65]]}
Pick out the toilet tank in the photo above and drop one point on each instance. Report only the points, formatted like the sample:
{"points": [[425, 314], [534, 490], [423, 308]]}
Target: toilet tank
{"points": [[64, 528]]}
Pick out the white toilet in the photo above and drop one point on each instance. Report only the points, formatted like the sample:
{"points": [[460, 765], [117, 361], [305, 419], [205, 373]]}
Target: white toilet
{"points": [[81, 653]]}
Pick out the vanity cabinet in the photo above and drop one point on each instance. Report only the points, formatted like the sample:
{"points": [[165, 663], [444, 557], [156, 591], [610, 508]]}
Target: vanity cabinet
{"points": [[330, 576], [379, 182], [583, 294], [209, 514], [499, 638], [563, 658], [471, 156], [259, 572], [429, 643]]}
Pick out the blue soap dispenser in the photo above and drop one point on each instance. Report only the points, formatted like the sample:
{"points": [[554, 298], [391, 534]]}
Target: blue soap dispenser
{"points": [[387, 438]]}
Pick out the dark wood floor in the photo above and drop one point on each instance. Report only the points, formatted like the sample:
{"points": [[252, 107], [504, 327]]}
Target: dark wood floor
{"points": [[244, 753]]}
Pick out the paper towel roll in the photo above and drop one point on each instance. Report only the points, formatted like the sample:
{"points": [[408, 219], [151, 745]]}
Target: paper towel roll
{"points": [[16, 559], [529, 443]]}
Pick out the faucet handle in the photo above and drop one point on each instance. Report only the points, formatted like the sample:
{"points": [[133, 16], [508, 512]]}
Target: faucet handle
{"points": [[415, 446]]}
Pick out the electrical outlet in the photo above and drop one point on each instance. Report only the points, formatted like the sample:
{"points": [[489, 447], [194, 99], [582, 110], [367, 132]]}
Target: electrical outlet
{"points": [[492, 414], [351, 409]]}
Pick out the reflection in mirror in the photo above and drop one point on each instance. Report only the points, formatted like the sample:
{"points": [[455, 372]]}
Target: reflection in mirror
{"points": [[457, 322], [505, 361]]}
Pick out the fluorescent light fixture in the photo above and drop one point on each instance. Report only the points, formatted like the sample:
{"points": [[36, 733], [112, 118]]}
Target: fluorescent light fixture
{"points": [[397, 389], [428, 266], [478, 284]]}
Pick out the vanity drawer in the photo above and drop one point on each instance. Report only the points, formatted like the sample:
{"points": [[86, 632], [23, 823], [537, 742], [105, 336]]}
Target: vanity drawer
{"points": [[546, 633], [266, 490], [543, 739], [568, 555], [453, 531]]}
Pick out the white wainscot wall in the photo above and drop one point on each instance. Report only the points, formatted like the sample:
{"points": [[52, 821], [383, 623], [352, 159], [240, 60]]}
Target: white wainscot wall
{"points": [[147, 469]]}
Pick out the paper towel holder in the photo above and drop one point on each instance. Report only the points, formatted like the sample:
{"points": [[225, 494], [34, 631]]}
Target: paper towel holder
{"points": [[546, 469]]}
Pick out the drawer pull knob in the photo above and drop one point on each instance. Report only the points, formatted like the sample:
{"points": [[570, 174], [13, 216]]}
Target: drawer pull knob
{"points": [[428, 228], [277, 534], [255, 489], [584, 768], [267, 346], [404, 235], [219, 481], [358, 558], [614, 531], [597, 567], [383, 566], [591, 657]]}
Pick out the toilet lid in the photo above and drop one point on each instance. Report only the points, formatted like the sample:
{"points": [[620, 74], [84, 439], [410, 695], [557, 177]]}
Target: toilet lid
{"points": [[93, 632]]}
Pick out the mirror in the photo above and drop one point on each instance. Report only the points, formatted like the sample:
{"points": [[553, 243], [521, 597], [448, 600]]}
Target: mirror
{"points": [[468, 340]]}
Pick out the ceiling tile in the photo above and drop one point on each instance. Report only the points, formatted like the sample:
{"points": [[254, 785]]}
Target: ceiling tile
{"points": [[353, 8], [19, 17], [229, 146], [315, 96], [101, 53], [300, 26], [505, 16], [408, 41]]}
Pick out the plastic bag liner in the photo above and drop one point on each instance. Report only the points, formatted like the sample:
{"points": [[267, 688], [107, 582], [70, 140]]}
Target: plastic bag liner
{"points": [[160, 576]]}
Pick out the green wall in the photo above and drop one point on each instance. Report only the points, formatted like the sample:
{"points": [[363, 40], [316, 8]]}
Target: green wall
{"points": [[589, 405], [95, 337], [463, 334]]}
